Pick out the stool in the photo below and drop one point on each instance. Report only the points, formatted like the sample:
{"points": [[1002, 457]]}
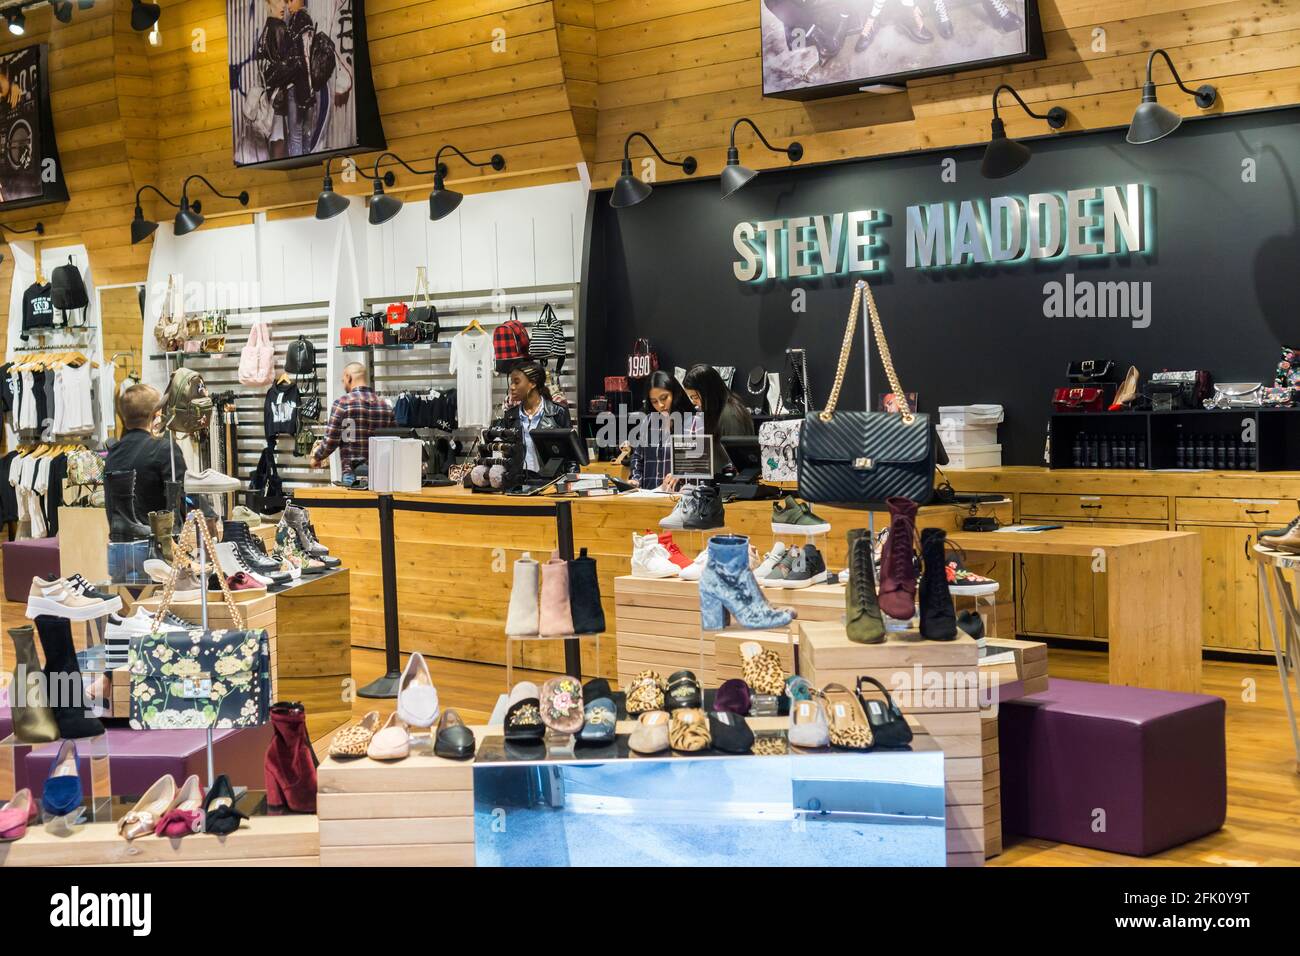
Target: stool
{"points": [[27, 559], [1123, 769]]}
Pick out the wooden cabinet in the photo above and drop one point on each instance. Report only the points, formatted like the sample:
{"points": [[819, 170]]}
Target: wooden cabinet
{"points": [[1109, 507], [1229, 588]]}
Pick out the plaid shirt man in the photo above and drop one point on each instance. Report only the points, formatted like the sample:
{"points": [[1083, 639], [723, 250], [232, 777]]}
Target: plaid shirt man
{"points": [[353, 419]]}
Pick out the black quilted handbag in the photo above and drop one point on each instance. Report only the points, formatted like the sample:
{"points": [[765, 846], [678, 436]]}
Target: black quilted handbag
{"points": [[860, 459]]}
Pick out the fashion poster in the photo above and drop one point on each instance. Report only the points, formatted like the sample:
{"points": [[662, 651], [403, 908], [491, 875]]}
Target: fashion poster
{"points": [[830, 47], [300, 86], [27, 132]]}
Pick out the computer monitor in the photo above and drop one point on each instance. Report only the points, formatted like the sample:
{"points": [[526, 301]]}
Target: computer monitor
{"points": [[558, 448], [746, 456]]}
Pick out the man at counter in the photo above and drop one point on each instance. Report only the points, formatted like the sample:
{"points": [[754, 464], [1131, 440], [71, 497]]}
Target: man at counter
{"points": [[139, 450], [353, 419]]}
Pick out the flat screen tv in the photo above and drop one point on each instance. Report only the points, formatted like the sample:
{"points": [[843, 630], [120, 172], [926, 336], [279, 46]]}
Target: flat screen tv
{"points": [[30, 172], [300, 84], [818, 48]]}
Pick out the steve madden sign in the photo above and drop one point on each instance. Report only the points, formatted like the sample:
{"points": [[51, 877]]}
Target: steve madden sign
{"points": [[1078, 223]]}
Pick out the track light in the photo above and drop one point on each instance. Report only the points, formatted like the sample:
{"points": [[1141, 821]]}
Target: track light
{"points": [[629, 190], [17, 21], [1005, 156], [144, 15], [1151, 121], [735, 175], [443, 201], [329, 203], [190, 218], [62, 10]]}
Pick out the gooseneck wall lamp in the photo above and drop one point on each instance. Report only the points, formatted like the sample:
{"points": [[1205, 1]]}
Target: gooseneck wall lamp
{"points": [[1005, 156], [629, 190], [142, 228], [382, 206], [443, 201], [189, 218], [1151, 121], [735, 175], [329, 203], [38, 229]]}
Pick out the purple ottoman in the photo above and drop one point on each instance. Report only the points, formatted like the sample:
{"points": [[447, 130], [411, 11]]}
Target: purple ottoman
{"points": [[24, 560], [137, 758], [1152, 760]]}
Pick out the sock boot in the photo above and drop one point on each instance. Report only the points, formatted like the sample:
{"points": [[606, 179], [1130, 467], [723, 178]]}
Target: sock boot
{"points": [[119, 500], [63, 679], [33, 719], [521, 619], [728, 589], [584, 596], [161, 524], [555, 617], [938, 617], [898, 563], [290, 761], [862, 618]]}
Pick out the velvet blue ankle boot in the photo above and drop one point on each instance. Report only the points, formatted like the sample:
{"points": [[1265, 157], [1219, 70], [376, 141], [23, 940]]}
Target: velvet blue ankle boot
{"points": [[728, 589]]}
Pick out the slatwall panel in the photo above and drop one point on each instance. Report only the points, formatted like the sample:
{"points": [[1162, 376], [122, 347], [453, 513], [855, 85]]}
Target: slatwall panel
{"points": [[221, 374], [417, 368]]}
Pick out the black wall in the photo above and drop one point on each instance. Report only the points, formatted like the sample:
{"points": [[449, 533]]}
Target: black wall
{"points": [[1225, 272]]}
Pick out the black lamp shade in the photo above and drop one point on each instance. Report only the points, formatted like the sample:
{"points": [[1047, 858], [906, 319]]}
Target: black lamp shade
{"points": [[734, 175], [1151, 121], [442, 201], [141, 228], [144, 15], [329, 203], [187, 220], [382, 207], [1003, 156], [629, 190]]}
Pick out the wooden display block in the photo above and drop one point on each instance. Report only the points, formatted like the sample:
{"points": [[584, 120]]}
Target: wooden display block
{"points": [[291, 840], [83, 543]]}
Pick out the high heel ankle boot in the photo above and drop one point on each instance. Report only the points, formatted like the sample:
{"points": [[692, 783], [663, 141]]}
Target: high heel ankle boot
{"points": [[34, 721], [862, 620], [898, 563], [161, 524], [67, 693], [584, 596], [938, 617], [728, 589], [290, 761], [119, 501]]}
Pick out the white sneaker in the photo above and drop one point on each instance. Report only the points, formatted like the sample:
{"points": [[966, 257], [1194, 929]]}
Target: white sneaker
{"points": [[59, 599], [696, 568], [771, 561], [676, 521], [210, 481], [228, 560], [650, 558]]}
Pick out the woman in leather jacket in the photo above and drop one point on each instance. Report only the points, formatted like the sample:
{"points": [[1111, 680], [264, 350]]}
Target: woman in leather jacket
{"points": [[533, 407], [275, 63]]}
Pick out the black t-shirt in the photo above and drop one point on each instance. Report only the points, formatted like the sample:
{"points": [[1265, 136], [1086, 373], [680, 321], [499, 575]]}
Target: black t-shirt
{"points": [[281, 412], [38, 308], [8, 497], [54, 492], [151, 461]]}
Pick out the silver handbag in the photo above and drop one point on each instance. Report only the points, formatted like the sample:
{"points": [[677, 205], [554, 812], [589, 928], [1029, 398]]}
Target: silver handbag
{"points": [[1236, 395]]}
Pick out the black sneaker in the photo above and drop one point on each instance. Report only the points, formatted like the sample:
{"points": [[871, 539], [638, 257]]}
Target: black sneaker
{"points": [[806, 567], [702, 511]]}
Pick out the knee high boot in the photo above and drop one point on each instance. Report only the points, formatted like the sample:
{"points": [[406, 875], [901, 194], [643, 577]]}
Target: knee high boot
{"points": [[290, 761], [898, 562], [119, 500], [938, 617], [33, 719], [67, 693], [862, 620]]}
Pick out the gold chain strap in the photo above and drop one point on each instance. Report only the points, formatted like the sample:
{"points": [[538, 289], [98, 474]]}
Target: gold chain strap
{"points": [[846, 348], [196, 525]]}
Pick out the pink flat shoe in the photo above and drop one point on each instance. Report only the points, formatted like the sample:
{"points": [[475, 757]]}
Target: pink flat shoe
{"points": [[14, 816], [186, 814]]}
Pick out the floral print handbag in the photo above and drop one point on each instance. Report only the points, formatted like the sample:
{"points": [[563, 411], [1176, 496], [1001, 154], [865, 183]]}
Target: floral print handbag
{"points": [[199, 678]]}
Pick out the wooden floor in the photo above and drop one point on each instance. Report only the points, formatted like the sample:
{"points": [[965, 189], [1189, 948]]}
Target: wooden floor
{"points": [[1263, 825]]}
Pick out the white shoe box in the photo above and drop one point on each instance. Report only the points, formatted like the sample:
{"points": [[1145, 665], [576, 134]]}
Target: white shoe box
{"points": [[979, 456], [967, 437], [971, 414]]}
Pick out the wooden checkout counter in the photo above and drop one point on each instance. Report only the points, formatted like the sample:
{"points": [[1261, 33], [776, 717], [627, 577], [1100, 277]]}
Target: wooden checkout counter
{"points": [[1156, 535]]}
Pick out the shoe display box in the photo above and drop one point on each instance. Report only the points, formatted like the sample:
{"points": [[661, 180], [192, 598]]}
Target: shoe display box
{"points": [[83, 543]]}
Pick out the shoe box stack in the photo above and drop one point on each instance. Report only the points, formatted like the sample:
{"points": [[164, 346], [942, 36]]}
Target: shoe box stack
{"points": [[970, 435]]}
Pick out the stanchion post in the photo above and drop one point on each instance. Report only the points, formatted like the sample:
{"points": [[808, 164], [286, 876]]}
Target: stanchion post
{"points": [[386, 686], [564, 542]]}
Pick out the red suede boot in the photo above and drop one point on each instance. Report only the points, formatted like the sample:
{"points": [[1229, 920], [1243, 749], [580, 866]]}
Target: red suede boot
{"points": [[290, 761]]}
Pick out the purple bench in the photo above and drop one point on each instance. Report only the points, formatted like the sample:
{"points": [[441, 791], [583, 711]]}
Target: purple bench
{"points": [[27, 559], [1123, 769]]}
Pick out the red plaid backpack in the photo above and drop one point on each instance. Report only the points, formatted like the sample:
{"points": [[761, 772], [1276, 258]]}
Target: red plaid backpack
{"points": [[509, 342]]}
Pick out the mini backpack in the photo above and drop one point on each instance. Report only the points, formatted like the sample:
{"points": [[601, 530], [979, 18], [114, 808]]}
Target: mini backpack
{"points": [[300, 359], [186, 405], [257, 357], [68, 289]]}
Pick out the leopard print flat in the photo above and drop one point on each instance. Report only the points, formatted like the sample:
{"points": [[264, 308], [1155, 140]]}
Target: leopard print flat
{"points": [[761, 669], [645, 693], [847, 720], [353, 739]]}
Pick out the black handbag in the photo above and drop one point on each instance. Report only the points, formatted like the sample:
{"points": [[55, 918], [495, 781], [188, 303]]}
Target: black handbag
{"points": [[1090, 371], [424, 316], [860, 459], [888, 725], [267, 490]]}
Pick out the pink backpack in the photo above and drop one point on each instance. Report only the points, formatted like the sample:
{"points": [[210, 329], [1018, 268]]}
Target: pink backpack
{"points": [[257, 358]]}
